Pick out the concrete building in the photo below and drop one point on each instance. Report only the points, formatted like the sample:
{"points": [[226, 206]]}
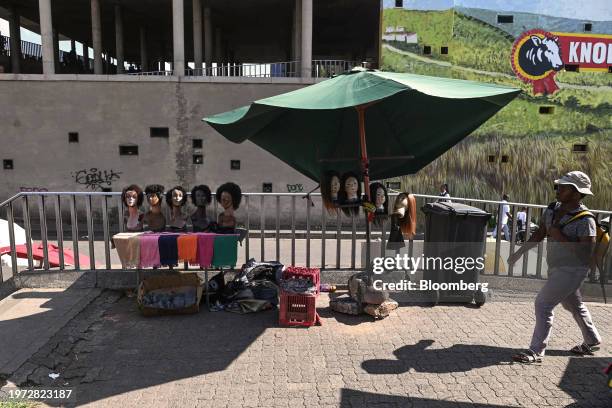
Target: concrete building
{"points": [[78, 123]]}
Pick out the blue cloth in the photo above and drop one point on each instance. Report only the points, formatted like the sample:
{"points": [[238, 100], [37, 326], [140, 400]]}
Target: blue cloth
{"points": [[225, 253], [168, 249]]}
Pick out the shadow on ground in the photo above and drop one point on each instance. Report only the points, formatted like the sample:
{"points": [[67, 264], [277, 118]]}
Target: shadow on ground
{"points": [[355, 398]]}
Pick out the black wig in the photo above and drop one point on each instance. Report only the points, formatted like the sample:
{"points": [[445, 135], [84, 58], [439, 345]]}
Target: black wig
{"points": [[373, 188], [330, 204], [156, 189], [139, 193], [234, 190], [207, 194], [169, 196]]}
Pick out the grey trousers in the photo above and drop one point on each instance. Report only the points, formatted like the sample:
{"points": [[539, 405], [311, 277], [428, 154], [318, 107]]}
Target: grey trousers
{"points": [[562, 286]]}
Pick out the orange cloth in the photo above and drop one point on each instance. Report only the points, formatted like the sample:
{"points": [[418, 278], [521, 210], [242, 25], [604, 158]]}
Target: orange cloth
{"points": [[187, 248]]}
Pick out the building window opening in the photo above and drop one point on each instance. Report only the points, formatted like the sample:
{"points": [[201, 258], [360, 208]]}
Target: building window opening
{"points": [[505, 19], [588, 27], [235, 165], [399, 3], [267, 187], [491, 158], [444, 50], [7, 164], [505, 158], [129, 150], [73, 137], [197, 143], [580, 148], [546, 110], [198, 159], [160, 132]]}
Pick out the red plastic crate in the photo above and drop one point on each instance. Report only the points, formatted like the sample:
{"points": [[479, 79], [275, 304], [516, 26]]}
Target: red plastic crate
{"points": [[300, 272], [297, 310]]}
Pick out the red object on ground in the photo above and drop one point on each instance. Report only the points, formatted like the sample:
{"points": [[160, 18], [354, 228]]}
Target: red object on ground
{"points": [[299, 272], [21, 251], [298, 310]]}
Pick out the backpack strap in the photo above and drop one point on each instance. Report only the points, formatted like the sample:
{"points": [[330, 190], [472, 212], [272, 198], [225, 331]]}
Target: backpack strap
{"points": [[577, 216]]}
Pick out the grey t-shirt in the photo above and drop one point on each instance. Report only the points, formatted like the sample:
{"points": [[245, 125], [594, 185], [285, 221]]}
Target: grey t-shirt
{"points": [[558, 253]]}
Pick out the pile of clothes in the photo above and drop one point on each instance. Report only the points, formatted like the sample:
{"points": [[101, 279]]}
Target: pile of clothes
{"points": [[255, 288], [171, 298]]}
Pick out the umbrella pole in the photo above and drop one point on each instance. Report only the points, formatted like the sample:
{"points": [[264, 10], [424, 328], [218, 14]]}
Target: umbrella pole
{"points": [[366, 181]]}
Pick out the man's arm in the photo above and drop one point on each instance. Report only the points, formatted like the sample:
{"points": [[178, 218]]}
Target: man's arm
{"points": [[536, 237]]}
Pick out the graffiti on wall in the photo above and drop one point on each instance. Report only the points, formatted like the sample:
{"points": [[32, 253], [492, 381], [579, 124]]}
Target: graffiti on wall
{"points": [[96, 179], [295, 188]]}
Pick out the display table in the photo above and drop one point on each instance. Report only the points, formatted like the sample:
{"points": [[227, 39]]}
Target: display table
{"points": [[206, 251]]}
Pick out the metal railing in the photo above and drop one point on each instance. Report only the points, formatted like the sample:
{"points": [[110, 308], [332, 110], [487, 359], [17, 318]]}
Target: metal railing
{"points": [[151, 73], [329, 68], [289, 227]]}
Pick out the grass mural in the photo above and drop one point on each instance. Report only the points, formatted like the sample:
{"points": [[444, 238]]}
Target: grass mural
{"points": [[539, 147]]}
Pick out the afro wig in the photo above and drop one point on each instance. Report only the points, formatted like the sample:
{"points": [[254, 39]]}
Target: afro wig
{"points": [[207, 194], [234, 190]]}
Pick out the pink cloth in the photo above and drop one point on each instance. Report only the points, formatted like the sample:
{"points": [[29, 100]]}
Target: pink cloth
{"points": [[206, 244], [149, 250]]}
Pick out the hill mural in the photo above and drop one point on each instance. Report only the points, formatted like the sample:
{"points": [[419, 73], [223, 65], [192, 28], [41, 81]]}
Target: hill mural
{"points": [[531, 141]]}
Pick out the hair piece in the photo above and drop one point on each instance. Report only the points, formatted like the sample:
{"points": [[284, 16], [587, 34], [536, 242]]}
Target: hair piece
{"points": [[156, 189], [139, 193], [405, 208], [379, 216], [234, 190], [207, 194], [349, 208], [169, 196], [328, 202]]}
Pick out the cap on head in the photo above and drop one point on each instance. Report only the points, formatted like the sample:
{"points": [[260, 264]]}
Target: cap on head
{"points": [[579, 180]]}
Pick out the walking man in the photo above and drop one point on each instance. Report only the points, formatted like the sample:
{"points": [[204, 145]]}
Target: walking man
{"points": [[505, 213], [569, 249]]}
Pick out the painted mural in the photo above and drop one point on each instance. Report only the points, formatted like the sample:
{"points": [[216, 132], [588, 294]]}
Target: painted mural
{"points": [[559, 53]]}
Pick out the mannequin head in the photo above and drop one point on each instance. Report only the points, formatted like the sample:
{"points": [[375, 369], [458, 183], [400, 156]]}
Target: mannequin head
{"points": [[378, 195], [229, 196], [351, 188], [132, 196], [201, 195], [330, 189], [176, 197], [154, 193]]}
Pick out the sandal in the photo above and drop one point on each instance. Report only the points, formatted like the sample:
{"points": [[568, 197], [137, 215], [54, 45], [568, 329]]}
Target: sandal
{"points": [[527, 357], [585, 349]]}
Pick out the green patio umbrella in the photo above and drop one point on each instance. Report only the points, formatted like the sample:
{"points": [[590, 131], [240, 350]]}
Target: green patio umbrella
{"points": [[392, 123], [388, 124]]}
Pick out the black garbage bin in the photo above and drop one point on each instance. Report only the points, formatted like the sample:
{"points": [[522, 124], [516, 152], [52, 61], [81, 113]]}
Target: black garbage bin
{"points": [[454, 249]]}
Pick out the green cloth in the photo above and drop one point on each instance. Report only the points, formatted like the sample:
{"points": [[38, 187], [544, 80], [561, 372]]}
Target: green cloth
{"points": [[225, 251], [413, 119]]}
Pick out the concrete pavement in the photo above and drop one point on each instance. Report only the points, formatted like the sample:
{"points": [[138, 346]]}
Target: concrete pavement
{"points": [[446, 356]]}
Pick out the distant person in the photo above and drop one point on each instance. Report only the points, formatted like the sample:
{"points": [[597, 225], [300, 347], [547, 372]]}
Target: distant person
{"points": [[570, 244], [131, 69], [521, 224], [505, 214], [444, 193]]}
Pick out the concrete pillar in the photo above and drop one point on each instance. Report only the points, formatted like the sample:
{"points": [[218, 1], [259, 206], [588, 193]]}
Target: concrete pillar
{"points": [[96, 36], [306, 53], [15, 34], [143, 50], [56, 50], [178, 37], [208, 40], [296, 43], [197, 35], [46, 34], [85, 57], [119, 38]]}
